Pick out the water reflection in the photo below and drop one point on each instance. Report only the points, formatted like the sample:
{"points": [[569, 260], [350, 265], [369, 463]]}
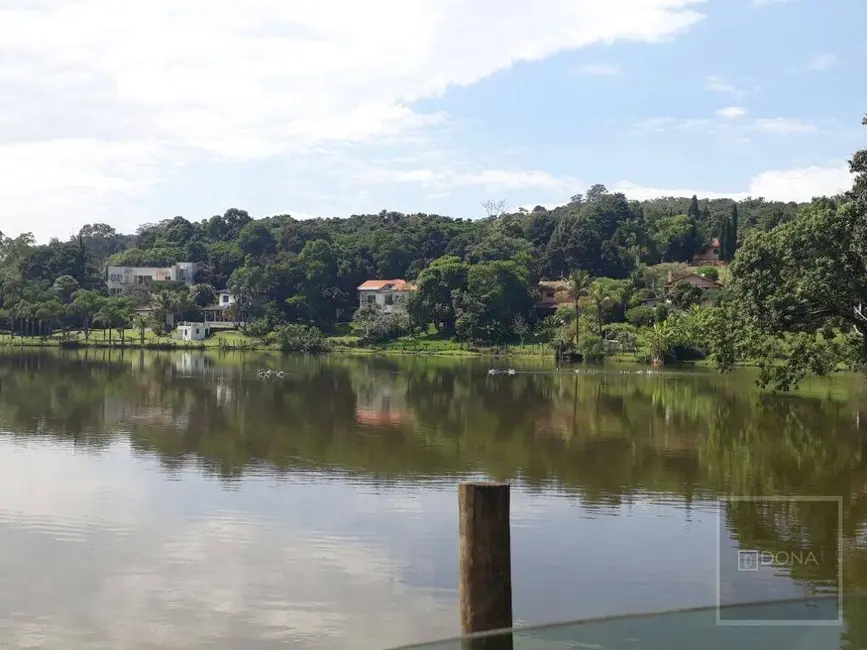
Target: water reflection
{"points": [[186, 500]]}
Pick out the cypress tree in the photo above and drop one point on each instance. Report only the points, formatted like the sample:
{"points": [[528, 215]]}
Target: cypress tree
{"points": [[724, 250], [694, 211], [733, 231]]}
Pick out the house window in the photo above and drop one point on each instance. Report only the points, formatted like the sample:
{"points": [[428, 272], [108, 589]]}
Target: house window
{"points": [[225, 299], [389, 299], [371, 299]]}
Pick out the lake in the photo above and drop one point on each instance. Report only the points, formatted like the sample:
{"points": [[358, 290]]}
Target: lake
{"points": [[184, 500]]}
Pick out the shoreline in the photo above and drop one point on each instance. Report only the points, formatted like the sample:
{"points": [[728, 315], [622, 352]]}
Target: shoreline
{"points": [[240, 343], [234, 341]]}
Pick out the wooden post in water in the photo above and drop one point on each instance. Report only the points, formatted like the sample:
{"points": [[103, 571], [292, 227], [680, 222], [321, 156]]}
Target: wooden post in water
{"points": [[485, 564]]}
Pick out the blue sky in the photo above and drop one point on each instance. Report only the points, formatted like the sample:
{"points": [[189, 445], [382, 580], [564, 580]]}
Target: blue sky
{"points": [[150, 110]]}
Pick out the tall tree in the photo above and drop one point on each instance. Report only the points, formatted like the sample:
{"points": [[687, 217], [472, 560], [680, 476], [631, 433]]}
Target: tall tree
{"points": [[732, 235], [579, 285], [602, 295], [805, 278], [694, 212], [86, 304], [724, 233]]}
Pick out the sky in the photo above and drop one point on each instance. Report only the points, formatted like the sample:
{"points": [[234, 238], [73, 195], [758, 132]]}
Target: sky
{"points": [[133, 112]]}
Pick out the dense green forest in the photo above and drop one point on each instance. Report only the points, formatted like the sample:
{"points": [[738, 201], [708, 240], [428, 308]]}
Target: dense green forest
{"points": [[797, 276]]}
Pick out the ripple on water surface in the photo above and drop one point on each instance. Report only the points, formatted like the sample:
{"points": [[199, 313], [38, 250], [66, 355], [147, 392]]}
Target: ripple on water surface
{"points": [[182, 501]]}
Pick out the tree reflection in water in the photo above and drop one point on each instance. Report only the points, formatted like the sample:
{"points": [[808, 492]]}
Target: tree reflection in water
{"points": [[605, 438]]}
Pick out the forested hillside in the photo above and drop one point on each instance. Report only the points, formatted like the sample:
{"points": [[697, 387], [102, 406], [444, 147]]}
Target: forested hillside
{"points": [[321, 261]]}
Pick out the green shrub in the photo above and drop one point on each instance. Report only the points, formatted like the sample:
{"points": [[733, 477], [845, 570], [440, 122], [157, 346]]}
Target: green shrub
{"points": [[625, 334], [686, 295], [592, 348], [259, 328], [641, 316], [377, 326], [709, 272], [294, 337]]}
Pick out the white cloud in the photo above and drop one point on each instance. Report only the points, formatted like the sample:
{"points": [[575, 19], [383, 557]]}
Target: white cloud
{"points": [[201, 78], [598, 69], [731, 112], [494, 178], [641, 193], [52, 179], [801, 184], [821, 61], [660, 124], [785, 125], [775, 185], [718, 84]]}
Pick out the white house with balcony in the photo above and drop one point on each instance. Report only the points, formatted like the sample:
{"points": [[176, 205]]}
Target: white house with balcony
{"points": [[390, 295], [222, 314], [121, 278]]}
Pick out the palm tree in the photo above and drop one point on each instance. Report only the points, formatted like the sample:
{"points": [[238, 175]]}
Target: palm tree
{"points": [[122, 319], [105, 319], [602, 298], [165, 307], [141, 323], [579, 285]]}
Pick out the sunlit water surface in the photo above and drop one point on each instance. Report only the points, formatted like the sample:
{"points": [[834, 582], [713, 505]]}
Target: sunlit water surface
{"points": [[185, 501]]}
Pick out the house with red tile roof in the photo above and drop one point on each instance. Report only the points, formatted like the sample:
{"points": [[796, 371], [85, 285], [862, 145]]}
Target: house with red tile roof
{"points": [[390, 295], [709, 256]]}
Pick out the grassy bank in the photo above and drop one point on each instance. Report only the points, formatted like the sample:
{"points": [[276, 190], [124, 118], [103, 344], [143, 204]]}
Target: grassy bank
{"points": [[132, 339], [345, 344], [234, 340], [434, 344]]}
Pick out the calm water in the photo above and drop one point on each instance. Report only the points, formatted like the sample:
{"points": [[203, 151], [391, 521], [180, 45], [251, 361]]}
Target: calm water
{"points": [[182, 501]]}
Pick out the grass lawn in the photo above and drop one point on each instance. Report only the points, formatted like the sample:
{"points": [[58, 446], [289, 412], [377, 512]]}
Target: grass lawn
{"points": [[224, 339], [434, 343]]}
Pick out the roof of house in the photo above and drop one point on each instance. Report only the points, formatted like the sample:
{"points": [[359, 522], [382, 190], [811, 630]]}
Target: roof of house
{"points": [[554, 284], [378, 285]]}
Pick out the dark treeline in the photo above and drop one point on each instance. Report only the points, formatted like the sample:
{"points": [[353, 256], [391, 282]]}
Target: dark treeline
{"points": [[289, 270]]}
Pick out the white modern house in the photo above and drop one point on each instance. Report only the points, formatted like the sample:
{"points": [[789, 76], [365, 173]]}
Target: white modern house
{"points": [[390, 295], [193, 331], [220, 315], [226, 298], [121, 278]]}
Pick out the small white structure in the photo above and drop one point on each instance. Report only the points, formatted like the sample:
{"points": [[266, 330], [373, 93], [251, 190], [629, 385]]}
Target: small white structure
{"points": [[193, 331]]}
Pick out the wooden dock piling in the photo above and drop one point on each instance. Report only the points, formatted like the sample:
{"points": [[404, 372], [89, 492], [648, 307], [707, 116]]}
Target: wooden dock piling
{"points": [[485, 564]]}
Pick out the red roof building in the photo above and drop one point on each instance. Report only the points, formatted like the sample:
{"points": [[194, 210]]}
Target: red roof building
{"points": [[390, 295]]}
